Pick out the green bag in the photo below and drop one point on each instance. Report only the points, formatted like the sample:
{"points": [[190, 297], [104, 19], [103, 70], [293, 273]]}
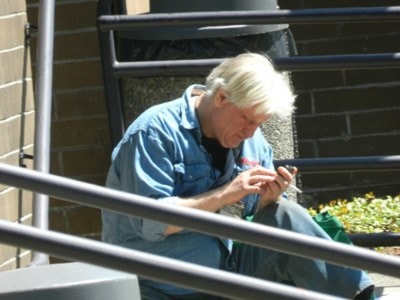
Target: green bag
{"points": [[329, 223], [333, 227]]}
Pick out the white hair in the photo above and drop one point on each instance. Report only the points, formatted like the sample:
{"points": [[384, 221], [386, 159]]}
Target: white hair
{"points": [[251, 79]]}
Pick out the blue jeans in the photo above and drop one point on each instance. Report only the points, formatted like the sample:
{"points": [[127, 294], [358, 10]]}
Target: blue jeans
{"points": [[310, 274]]}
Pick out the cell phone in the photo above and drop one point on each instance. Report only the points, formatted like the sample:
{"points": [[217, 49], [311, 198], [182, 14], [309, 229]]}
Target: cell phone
{"points": [[290, 168]]}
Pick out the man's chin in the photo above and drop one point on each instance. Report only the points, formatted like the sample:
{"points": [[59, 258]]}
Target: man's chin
{"points": [[233, 144]]}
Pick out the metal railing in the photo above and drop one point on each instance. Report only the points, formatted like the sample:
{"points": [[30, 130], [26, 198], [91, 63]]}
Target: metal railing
{"points": [[114, 69], [167, 270], [150, 266], [44, 88], [300, 16], [340, 164]]}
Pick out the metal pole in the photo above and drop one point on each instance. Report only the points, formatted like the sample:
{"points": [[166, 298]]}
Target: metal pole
{"points": [[293, 63], [111, 85], [382, 239], [205, 222], [44, 75], [201, 278], [299, 16], [343, 164]]}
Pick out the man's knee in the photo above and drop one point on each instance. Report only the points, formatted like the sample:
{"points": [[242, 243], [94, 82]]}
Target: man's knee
{"points": [[283, 213]]}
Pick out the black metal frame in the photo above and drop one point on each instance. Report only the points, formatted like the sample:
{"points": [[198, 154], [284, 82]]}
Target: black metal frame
{"points": [[113, 69]]}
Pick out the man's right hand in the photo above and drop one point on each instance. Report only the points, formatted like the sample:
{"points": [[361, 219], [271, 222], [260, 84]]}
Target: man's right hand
{"points": [[252, 181]]}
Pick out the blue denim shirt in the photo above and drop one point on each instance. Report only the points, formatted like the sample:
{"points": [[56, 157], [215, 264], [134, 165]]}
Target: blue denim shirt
{"points": [[161, 157]]}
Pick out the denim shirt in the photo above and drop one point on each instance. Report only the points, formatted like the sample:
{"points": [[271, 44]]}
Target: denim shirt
{"points": [[161, 157]]}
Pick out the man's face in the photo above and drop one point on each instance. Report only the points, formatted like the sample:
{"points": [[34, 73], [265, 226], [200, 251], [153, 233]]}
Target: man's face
{"points": [[232, 125]]}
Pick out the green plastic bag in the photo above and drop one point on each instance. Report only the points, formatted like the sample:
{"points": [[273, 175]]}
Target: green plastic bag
{"points": [[333, 227], [329, 223]]}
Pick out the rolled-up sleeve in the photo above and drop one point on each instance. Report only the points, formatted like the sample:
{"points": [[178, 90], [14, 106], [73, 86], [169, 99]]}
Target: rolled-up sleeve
{"points": [[143, 166], [151, 230]]}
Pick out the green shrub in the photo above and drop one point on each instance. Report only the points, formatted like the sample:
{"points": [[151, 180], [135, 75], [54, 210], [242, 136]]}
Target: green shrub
{"points": [[365, 215]]}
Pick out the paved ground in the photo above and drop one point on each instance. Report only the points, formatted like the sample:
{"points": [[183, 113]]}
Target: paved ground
{"points": [[387, 288]]}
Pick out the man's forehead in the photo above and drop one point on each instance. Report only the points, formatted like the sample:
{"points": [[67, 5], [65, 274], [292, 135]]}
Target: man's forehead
{"points": [[253, 113]]}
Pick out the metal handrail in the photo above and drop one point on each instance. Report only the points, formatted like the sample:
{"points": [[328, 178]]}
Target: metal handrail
{"points": [[220, 18], [44, 84], [201, 221], [381, 239], [343, 164], [294, 63], [154, 267], [108, 23]]}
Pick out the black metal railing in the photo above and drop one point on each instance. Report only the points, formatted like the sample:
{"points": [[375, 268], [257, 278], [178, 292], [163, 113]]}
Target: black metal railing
{"points": [[114, 69]]}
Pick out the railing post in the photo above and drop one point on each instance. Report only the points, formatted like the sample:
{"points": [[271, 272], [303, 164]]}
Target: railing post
{"points": [[44, 74]]}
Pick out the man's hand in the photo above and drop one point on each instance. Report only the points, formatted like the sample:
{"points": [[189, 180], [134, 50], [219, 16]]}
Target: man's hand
{"points": [[258, 180], [273, 190], [253, 181]]}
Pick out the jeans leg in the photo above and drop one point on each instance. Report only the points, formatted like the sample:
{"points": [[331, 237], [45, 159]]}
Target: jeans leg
{"points": [[148, 293], [311, 274]]}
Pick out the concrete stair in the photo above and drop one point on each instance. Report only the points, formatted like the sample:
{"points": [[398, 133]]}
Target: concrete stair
{"points": [[68, 281]]}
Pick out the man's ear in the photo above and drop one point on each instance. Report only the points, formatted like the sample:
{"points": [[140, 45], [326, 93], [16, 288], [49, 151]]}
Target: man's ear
{"points": [[220, 98]]}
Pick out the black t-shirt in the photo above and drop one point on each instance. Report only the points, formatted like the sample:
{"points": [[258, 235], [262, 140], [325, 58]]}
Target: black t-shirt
{"points": [[217, 153]]}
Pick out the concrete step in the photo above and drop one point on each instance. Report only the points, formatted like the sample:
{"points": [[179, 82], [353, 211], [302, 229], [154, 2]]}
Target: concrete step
{"points": [[386, 287], [77, 281]]}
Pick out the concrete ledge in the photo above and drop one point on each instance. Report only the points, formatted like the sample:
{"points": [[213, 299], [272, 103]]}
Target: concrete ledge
{"points": [[68, 281]]}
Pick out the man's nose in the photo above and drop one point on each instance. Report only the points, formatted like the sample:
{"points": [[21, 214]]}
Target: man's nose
{"points": [[249, 131]]}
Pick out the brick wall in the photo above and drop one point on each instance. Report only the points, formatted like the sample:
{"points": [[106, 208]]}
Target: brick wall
{"points": [[340, 112], [16, 121], [80, 136], [347, 112]]}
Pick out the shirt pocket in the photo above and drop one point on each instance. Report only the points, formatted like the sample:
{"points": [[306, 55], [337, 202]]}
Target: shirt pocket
{"points": [[192, 179]]}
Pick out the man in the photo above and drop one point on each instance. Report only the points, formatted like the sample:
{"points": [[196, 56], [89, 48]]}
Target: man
{"points": [[205, 151]]}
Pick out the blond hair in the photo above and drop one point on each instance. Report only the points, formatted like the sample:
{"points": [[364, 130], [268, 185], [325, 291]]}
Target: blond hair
{"points": [[251, 79]]}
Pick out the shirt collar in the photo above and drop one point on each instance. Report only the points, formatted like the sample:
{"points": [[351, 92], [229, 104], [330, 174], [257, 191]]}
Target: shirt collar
{"points": [[188, 110]]}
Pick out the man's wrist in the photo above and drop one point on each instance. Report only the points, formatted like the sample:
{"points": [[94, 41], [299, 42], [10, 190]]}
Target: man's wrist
{"points": [[263, 203]]}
